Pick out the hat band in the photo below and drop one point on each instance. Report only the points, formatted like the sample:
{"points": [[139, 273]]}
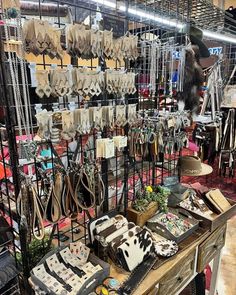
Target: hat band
{"points": [[191, 171]]}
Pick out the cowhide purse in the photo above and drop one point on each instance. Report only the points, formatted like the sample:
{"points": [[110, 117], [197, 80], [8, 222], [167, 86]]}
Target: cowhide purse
{"points": [[133, 230], [135, 250], [107, 223], [105, 232], [113, 231]]}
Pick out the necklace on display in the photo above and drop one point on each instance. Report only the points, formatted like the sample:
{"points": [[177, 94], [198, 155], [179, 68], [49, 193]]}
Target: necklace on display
{"points": [[20, 89]]}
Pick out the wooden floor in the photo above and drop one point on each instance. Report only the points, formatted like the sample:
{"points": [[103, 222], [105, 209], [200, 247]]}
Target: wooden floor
{"points": [[227, 275]]}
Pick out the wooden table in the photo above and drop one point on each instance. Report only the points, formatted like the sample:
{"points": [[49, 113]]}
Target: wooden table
{"points": [[171, 267], [172, 275]]}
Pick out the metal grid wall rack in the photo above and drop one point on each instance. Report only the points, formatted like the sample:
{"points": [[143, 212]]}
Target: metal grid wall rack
{"points": [[121, 173]]}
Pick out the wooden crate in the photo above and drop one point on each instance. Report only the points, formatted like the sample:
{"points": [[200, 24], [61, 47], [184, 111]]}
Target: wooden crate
{"points": [[140, 218], [213, 221]]}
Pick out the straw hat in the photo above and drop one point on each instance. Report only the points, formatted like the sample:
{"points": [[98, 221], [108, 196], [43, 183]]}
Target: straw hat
{"points": [[192, 166]]}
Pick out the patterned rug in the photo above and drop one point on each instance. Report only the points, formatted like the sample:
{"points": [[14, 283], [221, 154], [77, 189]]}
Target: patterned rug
{"points": [[227, 185]]}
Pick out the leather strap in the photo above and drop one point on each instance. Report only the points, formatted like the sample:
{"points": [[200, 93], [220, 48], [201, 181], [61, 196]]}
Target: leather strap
{"points": [[99, 188], [69, 201], [53, 207], [37, 218], [137, 276], [33, 211], [84, 191]]}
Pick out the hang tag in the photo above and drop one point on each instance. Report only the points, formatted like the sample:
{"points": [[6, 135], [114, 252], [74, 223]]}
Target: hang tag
{"points": [[38, 108], [117, 141], [72, 106], [170, 123], [53, 66], [186, 122], [55, 107], [100, 148], [123, 141], [120, 141], [109, 148]]}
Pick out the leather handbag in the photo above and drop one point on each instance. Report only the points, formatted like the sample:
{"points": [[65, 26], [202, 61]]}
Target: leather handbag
{"points": [[105, 231], [135, 250], [113, 231], [133, 230]]}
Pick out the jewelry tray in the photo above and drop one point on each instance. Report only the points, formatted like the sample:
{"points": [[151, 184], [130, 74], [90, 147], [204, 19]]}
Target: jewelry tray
{"points": [[163, 231], [89, 286]]}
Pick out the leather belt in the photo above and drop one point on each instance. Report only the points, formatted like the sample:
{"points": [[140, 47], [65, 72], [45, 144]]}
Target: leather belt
{"points": [[53, 207], [84, 191], [29, 206], [137, 276], [70, 206]]}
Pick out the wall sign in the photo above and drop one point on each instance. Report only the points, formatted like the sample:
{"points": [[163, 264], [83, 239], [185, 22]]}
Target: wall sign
{"points": [[116, 25], [215, 50]]}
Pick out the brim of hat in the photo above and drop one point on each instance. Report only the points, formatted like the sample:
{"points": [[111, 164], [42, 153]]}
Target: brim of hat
{"points": [[180, 39], [206, 169]]}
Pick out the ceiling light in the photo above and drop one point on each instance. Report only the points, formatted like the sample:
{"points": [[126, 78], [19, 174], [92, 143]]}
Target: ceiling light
{"points": [[105, 3], [220, 37], [164, 21], [142, 14]]}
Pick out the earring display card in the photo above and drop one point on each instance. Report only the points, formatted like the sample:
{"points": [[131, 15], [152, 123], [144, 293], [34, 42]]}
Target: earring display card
{"points": [[93, 273], [120, 141], [105, 148], [80, 251], [11, 4]]}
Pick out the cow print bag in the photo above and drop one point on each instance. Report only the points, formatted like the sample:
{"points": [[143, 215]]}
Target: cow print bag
{"points": [[135, 250]]}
